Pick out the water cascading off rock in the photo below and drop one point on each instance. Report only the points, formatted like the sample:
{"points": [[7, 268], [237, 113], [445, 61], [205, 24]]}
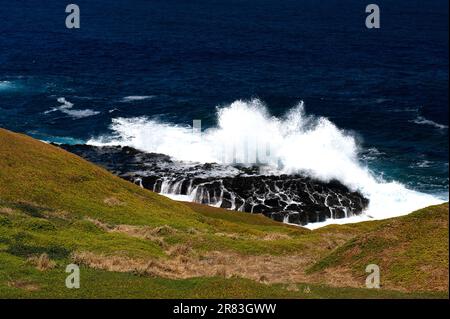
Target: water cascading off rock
{"points": [[295, 199]]}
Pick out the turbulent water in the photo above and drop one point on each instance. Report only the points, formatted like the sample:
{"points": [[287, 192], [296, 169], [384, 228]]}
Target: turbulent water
{"points": [[291, 198], [297, 87], [292, 144]]}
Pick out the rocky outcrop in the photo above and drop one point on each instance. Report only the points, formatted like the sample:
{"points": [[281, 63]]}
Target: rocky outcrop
{"points": [[295, 199]]}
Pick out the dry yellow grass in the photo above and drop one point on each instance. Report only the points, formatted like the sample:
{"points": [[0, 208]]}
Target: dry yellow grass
{"points": [[112, 201], [154, 234], [23, 284], [276, 236], [6, 210], [183, 263], [292, 287], [42, 262]]}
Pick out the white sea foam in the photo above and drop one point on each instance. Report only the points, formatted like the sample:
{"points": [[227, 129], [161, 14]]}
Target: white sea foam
{"points": [[293, 143], [371, 154], [421, 164], [181, 198], [132, 98], [423, 121], [66, 107]]}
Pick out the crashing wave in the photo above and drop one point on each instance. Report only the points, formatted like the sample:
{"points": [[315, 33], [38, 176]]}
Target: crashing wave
{"points": [[296, 143]]}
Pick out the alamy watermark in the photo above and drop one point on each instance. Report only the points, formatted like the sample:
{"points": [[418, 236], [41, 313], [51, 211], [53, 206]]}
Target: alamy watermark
{"points": [[73, 19], [73, 279], [373, 279], [373, 19], [247, 151]]}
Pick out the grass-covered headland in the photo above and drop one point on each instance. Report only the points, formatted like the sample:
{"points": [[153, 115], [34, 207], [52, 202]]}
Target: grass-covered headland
{"points": [[57, 209]]}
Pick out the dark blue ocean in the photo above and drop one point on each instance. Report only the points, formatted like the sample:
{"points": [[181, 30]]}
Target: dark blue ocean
{"points": [[178, 60]]}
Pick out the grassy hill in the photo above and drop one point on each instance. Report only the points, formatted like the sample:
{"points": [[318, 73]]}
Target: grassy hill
{"points": [[56, 209], [412, 250]]}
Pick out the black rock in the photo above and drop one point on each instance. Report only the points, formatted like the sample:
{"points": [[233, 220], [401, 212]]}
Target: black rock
{"points": [[295, 199]]}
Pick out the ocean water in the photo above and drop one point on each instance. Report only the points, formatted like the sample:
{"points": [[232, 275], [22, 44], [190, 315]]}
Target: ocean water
{"points": [[330, 97]]}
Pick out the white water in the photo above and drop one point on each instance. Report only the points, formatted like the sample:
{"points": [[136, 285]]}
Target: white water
{"points": [[423, 121], [132, 98], [246, 133], [183, 198], [66, 107]]}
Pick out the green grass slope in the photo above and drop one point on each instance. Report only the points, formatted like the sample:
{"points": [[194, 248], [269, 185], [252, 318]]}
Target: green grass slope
{"points": [[411, 251], [56, 209]]}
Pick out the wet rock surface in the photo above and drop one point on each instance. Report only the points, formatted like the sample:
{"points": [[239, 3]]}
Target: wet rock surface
{"points": [[295, 199]]}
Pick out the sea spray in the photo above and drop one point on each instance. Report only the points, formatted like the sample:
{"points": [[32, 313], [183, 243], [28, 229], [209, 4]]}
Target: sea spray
{"points": [[295, 143]]}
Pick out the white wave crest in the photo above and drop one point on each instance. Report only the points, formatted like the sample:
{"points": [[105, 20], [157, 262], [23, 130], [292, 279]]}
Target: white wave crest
{"points": [[132, 98], [295, 143], [423, 121], [66, 107]]}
